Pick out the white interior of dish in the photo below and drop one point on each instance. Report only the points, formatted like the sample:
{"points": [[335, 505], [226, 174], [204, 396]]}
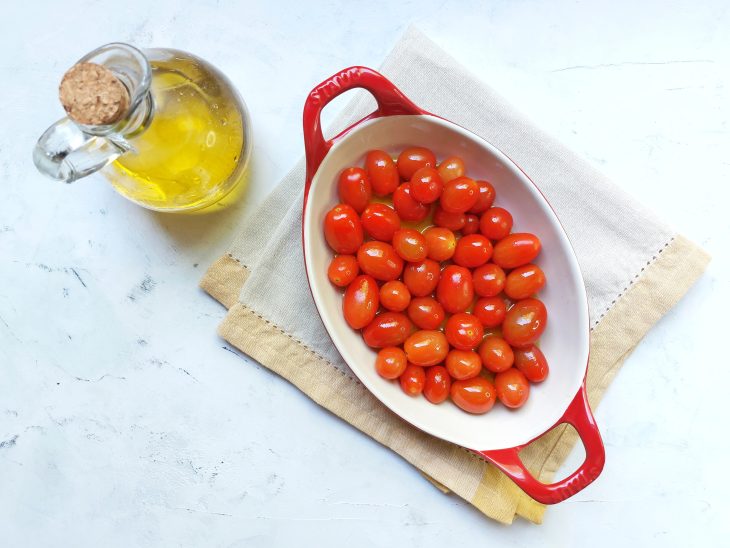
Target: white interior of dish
{"points": [[565, 341]]}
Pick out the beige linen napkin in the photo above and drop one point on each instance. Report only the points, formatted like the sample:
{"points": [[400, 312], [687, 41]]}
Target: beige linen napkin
{"points": [[635, 269]]}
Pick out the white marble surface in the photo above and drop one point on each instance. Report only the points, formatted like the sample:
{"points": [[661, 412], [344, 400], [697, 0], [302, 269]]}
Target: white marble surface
{"points": [[125, 421]]}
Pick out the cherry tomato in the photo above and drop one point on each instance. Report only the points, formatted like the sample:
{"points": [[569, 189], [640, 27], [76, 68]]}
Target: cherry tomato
{"points": [[471, 224], [380, 221], [496, 354], [342, 270], [440, 243], [459, 195], [394, 295], [496, 223], [343, 230], [490, 311], [485, 199], [354, 188], [452, 221], [524, 322], [455, 289], [360, 302], [438, 384], [426, 185], [391, 362], [426, 347], [451, 168], [464, 331], [422, 278], [408, 208], [412, 159], [379, 260], [410, 245], [532, 362], [472, 250], [516, 249], [426, 313], [387, 329], [382, 172], [413, 379], [512, 388], [489, 280], [476, 395], [524, 281], [463, 364]]}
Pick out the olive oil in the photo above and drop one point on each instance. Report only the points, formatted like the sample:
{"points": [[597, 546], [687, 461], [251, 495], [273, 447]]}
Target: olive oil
{"points": [[188, 156]]}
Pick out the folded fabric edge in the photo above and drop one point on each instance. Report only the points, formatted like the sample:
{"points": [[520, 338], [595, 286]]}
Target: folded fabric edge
{"points": [[224, 279]]}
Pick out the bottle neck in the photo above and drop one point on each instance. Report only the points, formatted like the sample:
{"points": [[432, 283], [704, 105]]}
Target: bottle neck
{"points": [[131, 67]]}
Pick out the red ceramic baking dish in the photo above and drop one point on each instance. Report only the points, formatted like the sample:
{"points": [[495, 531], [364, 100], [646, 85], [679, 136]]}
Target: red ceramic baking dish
{"points": [[498, 435]]}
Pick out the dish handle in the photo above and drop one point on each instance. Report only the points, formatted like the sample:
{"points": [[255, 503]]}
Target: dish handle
{"points": [[389, 98], [580, 416]]}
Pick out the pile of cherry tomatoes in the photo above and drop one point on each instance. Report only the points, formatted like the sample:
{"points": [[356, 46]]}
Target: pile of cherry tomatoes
{"points": [[437, 281]]}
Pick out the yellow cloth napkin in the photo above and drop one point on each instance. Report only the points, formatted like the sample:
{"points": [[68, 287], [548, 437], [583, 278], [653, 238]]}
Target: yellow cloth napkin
{"points": [[635, 267]]}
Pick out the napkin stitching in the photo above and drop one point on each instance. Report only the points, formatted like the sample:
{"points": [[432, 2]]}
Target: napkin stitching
{"points": [[238, 261], [325, 360], [631, 282]]}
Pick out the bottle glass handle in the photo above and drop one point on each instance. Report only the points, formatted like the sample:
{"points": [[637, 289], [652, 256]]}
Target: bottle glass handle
{"points": [[64, 152]]}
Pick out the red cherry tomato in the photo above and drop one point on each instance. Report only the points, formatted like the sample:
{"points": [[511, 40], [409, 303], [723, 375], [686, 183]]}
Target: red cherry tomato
{"points": [[471, 225], [354, 188], [412, 159], [426, 347], [463, 364], [532, 362], [496, 223], [387, 329], [485, 199], [516, 250], [452, 221], [455, 290], [489, 280], [394, 295], [512, 388], [408, 208], [464, 331], [524, 281], [380, 221], [496, 354], [426, 313], [475, 395], [342, 270], [391, 362], [524, 323], [426, 185], [490, 311], [472, 251], [413, 379], [438, 384], [459, 195], [440, 243], [360, 302], [422, 278], [410, 245], [382, 172], [451, 168], [343, 230], [379, 260]]}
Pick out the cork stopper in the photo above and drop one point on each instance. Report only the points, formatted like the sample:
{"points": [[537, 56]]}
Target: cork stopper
{"points": [[93, 95]]}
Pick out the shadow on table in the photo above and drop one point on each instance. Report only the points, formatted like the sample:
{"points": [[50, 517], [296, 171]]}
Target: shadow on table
{"points": [[210, 227]]}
